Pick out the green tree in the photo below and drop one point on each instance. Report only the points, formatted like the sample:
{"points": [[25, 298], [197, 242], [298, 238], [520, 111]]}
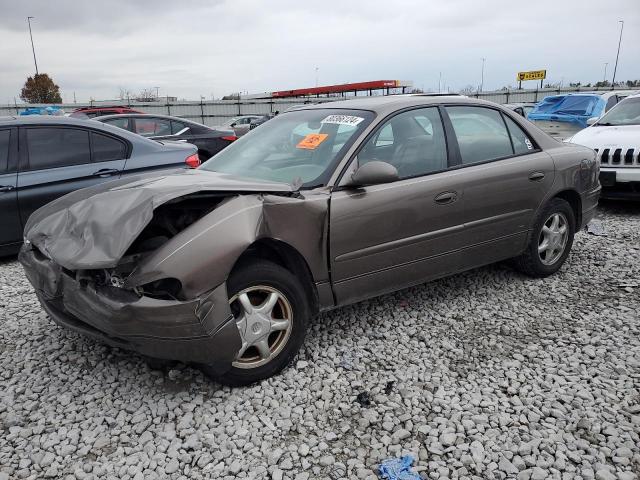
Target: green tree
{"points": [[40, 89]]}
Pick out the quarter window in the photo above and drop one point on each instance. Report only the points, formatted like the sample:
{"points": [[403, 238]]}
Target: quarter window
{"points": [[481, 133], [177, 127], [5, 135], [150, 127], [411, 141], [521, 142], [57, 147], [107, 148], [120, 122]]}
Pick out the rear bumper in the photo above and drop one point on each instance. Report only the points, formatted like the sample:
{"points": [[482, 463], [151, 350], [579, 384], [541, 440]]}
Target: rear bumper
{"points": [[200, 330]]}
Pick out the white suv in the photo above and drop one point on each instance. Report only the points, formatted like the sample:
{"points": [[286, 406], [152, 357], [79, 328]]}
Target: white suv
{"points": [[616, 138]]}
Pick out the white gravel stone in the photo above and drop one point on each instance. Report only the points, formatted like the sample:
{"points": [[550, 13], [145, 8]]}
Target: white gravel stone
{"points": [[486, 374]]}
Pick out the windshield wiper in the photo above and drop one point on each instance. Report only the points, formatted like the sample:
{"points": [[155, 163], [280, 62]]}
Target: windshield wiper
{"points": [[605, 124]]}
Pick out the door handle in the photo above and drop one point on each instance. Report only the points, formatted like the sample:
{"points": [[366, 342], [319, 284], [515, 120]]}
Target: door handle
{"points": [[106, 172], [6, 188], [535, 176], [446, 197]]}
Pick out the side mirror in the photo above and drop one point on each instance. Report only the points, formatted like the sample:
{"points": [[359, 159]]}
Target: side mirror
{"points": [[592, 120], [373, 173]]}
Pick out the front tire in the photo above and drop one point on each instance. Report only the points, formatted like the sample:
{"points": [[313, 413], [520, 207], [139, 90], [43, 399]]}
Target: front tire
{"points": [[271, 311], [550, 240]]}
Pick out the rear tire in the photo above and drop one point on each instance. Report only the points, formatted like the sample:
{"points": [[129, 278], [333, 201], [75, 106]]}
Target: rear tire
{"points": [[550, 240], [273, 335]]}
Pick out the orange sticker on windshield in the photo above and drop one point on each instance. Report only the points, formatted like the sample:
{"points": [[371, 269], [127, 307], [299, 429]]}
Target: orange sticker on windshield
{"points": [[312, 140]]}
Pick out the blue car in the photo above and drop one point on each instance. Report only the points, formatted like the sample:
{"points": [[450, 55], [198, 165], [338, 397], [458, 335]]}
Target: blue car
{"points": [[562, 116]]}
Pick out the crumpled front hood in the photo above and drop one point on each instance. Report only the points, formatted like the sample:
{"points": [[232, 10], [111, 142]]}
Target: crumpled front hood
{"points": [[607, 137], [94, 227]]}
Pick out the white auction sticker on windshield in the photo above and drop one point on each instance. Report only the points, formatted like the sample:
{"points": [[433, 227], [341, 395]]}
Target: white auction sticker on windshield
{"points": [[343, 120]]}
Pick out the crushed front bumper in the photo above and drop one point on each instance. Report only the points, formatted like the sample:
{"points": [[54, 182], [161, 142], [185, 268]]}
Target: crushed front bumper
{"points": [[201, 330]]}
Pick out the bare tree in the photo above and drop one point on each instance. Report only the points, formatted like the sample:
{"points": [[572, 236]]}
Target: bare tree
{"points": [[147, 95], [468, 90], [124, 93]]}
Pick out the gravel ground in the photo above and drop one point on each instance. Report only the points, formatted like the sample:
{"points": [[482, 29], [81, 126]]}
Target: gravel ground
{"points": [[483, 375]]}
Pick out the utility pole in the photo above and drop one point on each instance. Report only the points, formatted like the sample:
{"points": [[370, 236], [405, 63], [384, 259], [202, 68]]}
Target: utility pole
{"points": [[32, 47], [157, 92], [604, 79], [615, 69], [482, 75]]}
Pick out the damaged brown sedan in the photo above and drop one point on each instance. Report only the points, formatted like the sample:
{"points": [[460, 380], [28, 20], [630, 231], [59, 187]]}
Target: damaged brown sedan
{"points": [[322, 206]]}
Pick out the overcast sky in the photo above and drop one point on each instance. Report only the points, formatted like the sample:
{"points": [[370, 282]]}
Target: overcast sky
{"points": [[189, 48]]}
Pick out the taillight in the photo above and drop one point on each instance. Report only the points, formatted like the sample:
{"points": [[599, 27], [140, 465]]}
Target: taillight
{"points": [[230, 138], [192, 161]]}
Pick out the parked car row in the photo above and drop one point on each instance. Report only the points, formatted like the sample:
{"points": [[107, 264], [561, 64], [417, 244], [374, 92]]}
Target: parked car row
{"points": [[615, 137], [562, 116], [163, 127], [45, 157], [319, 207]]}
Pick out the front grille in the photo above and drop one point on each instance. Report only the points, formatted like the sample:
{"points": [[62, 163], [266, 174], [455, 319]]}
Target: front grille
{"points": [[619, 157]]}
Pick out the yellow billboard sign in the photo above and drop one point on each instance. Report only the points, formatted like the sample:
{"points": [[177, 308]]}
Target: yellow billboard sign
{"points": [[531, 75]]}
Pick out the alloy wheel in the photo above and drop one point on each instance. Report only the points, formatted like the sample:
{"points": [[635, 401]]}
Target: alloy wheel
{"points": [[553, 238], [264, 318]]}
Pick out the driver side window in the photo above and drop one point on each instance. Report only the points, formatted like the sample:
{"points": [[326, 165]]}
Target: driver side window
{"points": [[412, 141]]}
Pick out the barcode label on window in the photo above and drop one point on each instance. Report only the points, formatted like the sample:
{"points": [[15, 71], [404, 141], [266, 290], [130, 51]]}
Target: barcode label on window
{"points": [[343, 120]]}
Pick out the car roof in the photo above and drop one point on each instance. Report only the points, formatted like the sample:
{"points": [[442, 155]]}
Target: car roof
{"points": [[100, 107], [73, 122], [148, 115], [388, 103]]}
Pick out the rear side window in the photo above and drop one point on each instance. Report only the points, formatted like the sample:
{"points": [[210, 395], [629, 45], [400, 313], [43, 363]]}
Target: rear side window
{"points": [[150, 127], [521, 142], [57, 147], [5, 136], [107, 148], [119, 122], [481, 134]]}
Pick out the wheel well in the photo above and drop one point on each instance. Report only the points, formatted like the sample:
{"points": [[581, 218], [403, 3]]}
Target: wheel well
{"points": [[287, 257], [573, 198]]}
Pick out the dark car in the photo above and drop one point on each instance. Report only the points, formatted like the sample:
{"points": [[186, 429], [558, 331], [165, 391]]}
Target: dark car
{"points": [[91, 112], [163, 127], [226, 265], [43, 158]]}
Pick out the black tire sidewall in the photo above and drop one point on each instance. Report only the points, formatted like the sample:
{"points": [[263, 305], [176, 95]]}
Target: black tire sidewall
{"points": [[270, 274], [557, 205]]}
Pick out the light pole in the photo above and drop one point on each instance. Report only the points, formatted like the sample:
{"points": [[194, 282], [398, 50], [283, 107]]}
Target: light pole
{"points": [[32, 47], [482, 75], [605, 71], [613, 82], [316, 76]]}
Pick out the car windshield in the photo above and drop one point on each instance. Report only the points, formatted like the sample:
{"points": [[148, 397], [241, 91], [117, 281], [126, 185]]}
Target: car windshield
{"points": [[627, 112], [299, 147]]}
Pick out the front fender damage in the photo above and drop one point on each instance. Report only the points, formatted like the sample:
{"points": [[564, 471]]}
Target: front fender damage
{"points": [[92, 261], [202, 256]]}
